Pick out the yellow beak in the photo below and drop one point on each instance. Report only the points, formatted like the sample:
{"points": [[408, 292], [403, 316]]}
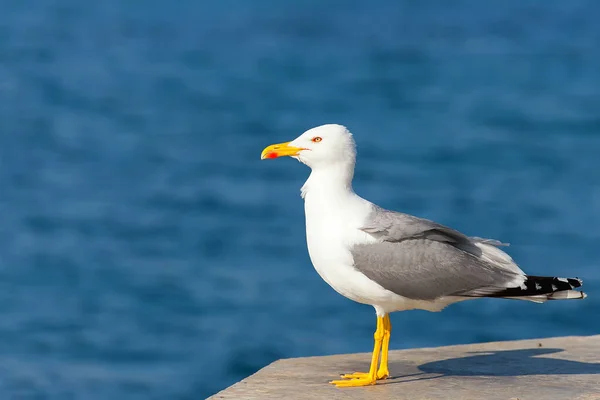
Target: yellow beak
{"points": [[280, 150]]}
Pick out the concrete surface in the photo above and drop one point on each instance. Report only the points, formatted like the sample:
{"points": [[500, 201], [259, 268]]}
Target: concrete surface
{"points": [[554, 368]]}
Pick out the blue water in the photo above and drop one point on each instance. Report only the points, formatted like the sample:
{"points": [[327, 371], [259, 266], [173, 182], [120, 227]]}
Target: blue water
{"points": [[147, 253]]}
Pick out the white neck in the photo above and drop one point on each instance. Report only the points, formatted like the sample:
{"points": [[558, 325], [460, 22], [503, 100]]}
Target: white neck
{"points": [[332, 181]]}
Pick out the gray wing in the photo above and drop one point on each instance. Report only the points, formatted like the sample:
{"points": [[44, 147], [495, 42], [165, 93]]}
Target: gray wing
{"points": [[420, 259], [393, 226]]}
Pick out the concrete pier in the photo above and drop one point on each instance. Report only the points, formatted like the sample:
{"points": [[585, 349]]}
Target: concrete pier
{"points": [[552, 368]]}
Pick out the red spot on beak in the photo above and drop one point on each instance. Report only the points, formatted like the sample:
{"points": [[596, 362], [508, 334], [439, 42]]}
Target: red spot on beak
{"points": [[272, 155]]}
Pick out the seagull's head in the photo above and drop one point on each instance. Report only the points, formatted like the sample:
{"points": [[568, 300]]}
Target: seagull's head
{"points": [[321, 146]]}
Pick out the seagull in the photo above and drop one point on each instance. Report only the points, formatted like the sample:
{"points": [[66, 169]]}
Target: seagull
{"points": [[391, 260]]}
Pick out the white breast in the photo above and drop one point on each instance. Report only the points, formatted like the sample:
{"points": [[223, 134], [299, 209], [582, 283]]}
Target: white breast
{"points": [[330, 231]]}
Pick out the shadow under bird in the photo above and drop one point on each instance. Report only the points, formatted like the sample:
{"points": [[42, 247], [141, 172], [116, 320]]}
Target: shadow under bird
{"points": [[395, 261]]}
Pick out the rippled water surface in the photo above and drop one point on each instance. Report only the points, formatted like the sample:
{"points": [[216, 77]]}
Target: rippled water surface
{"points": [[145, 250]]}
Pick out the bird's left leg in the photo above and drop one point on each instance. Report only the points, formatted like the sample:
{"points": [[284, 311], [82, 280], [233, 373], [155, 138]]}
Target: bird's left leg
{"points": [[369, 378]]}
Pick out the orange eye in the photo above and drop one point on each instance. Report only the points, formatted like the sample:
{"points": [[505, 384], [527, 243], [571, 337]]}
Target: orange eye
{"points": [[317, 139]]}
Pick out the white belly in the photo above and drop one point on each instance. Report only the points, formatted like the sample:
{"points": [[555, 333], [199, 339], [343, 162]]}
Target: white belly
{"points": [[335, 266]]}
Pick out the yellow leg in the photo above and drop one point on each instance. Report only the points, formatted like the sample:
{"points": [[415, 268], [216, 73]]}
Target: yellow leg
{"points": [[383, 371], [369, 378]]}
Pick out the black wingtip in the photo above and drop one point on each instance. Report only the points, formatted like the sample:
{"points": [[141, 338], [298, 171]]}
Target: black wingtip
{"points": [[544, 285], [574, 282]]}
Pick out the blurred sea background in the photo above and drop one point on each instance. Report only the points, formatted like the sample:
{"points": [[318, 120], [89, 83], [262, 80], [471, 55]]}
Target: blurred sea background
{"points": [[147, 253]]}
